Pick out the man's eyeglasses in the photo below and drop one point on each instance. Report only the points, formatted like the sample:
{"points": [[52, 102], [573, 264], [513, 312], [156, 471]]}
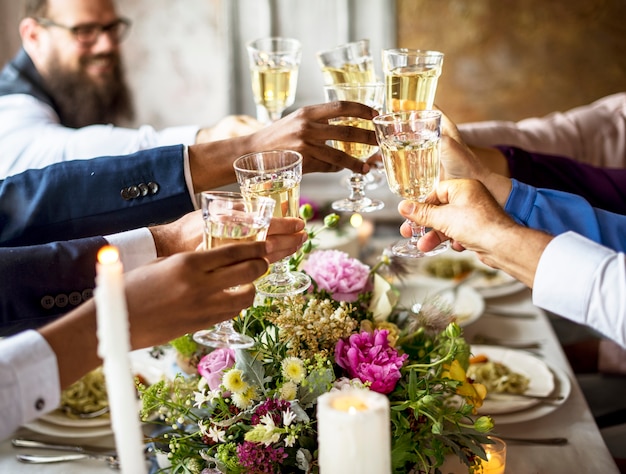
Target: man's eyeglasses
{"points": [[88, 33]]}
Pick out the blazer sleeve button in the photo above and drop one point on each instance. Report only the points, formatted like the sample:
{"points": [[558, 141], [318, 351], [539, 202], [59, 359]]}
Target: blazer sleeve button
{"points": [[143, 189], [47, 302], [153, 187], [61, 300], [75, 298]]}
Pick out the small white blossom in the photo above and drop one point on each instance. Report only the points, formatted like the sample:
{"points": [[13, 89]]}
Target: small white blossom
{"points": [[288, 417]]}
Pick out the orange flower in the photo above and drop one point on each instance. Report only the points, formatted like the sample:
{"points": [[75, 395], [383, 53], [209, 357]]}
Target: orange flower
{"points": [[474, 393]]}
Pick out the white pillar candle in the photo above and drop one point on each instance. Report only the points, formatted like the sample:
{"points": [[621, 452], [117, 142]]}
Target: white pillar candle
{"points": [[353, 432], [113, 349]]}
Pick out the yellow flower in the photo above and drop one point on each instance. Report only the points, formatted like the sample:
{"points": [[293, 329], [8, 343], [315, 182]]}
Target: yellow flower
{"points": [[243, 400], [288, 391], [474, 393], [293, 369], [233, 381]]}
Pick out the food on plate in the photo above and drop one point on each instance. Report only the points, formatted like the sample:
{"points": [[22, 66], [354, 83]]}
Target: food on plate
{"points": [[496, 376], [447, 267], [87, 395]]}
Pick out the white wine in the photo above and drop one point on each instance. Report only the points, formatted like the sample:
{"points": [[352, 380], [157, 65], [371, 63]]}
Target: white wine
{"points": [[411, 88], [412, 164], [233, 228], [360, 151], [274, 87], [350, 73], [285, 190]]}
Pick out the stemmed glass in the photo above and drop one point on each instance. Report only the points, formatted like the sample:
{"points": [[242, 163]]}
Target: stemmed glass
{"points": [[369, 94], [410, 145], [351, 63], [411, 77], [274, 64], [276, 174], [231, 218]]}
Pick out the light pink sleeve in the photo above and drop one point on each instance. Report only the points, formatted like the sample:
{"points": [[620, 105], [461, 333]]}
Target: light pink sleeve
{"points": [[594, 133]]}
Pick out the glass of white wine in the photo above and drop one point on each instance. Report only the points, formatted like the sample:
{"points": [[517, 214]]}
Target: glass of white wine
{"points": [[232, 218], [276, 174], [274, 64], [352, 63], [411, 77], [410, 145], [371, 94]]}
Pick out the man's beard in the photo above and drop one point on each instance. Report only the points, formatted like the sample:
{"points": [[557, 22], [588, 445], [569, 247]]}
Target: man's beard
{"points": [[81, 102]]}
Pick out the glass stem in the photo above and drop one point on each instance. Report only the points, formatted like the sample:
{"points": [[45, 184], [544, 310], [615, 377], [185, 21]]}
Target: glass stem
{"points": [[357, 187], [417, 231], [280, 271]]}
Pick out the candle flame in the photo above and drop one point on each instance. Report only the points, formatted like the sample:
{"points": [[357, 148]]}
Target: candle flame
{"points": [[108, 255], [350, 404]]}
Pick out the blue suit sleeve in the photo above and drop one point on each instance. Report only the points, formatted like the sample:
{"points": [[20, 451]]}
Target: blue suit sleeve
{"points": [[41, 282], [100, 196], [556, 212]]}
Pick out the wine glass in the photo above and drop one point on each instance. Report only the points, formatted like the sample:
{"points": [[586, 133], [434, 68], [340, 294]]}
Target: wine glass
{"points": [[276, 174], [369, 94], [232, 218], [411, 77], [410, 145], [351, 63], [274, 64]]}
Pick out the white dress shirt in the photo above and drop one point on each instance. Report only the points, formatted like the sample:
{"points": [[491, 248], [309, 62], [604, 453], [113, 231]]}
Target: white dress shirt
{"points": [[29, 380], [593, 133], [32, 137], [584, 282]]}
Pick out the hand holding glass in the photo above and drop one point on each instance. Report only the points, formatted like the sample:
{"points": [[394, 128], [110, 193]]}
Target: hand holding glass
{"points": [[410, 145], [370, 94], [276, 174], [232, 218], [274, 64]]}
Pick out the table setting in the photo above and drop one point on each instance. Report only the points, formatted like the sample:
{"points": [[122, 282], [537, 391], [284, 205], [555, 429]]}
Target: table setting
{"points": [[392, 360]]}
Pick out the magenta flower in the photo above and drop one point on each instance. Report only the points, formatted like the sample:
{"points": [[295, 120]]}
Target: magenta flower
{"points": [[213, 365], [342, 276], [257, 458], [370, 358]]}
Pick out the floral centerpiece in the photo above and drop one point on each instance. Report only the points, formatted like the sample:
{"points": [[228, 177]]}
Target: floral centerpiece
{"points": [[253, 411]]}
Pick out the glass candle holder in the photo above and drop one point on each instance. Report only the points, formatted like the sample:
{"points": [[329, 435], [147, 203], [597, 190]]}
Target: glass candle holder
{"points": [[496, 457]]}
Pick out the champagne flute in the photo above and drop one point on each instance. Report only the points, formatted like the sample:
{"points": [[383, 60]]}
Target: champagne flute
{"points": [[232, 218], [274, 64], [369, 94], [411, 77], [276, 174], [347, 63], [410, 145], [351, 63]]}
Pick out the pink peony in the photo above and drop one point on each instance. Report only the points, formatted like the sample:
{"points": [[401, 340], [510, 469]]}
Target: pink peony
{"points": [[213, 365], [342, 276], [370, 358]]}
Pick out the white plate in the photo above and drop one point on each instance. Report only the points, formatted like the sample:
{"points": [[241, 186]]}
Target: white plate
{"points": [[58, 431], [541, 379], [59, 418], [562, 387], [501, 284], [468, 306]]}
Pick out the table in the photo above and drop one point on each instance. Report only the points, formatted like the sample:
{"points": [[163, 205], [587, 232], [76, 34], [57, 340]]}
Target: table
{"points": [[585, 452]]}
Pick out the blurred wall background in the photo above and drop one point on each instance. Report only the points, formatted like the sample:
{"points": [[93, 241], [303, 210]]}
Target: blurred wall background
{"points": [[505, 59]]}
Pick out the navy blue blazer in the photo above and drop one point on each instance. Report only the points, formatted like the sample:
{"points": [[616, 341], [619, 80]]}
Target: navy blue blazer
{"points": [[99, 196], [43, 273]]}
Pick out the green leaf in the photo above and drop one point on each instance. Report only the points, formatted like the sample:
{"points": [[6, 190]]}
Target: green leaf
{"points": [[252, 369]]}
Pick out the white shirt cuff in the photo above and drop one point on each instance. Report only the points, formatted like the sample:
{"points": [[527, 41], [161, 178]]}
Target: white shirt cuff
{"points": [[30, 379], [136, 247]]}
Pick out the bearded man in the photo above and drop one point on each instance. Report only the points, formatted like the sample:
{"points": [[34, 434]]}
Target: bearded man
{"points": [[64, 95]]}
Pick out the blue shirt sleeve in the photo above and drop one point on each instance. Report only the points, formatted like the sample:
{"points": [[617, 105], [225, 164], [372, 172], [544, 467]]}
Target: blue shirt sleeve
{"points": [[557, 212]]}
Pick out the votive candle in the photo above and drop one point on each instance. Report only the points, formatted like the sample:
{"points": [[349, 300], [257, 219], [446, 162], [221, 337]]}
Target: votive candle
{"points": [[113, 349], [496, 457], [354, 432]]}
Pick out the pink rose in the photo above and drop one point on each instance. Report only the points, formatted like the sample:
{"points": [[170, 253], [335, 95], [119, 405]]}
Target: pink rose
{"points": [[370, 358], [212, 366], [342, 276]]}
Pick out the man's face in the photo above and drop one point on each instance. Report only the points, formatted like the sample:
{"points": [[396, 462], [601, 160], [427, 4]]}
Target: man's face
{"points": [[66, 54], [86, 81]]}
